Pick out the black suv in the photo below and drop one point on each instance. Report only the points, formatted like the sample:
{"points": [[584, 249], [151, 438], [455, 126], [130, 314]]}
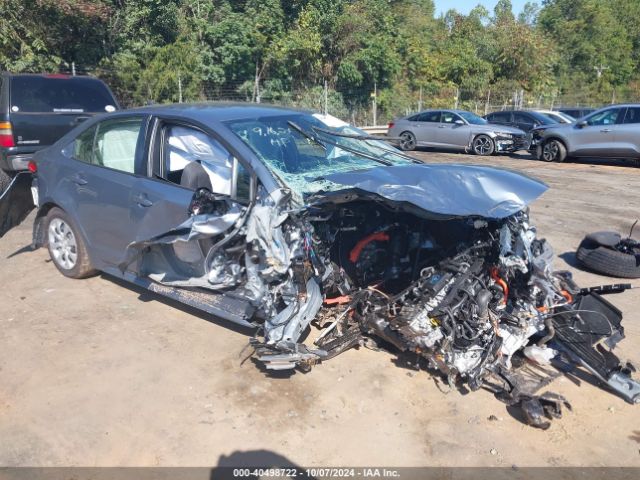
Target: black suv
{"points": [[576, 112], [525, 120], [36, 110]]}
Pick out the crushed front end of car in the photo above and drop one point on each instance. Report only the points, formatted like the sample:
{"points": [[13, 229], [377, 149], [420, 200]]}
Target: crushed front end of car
{"points": [[472, 291], [440, 261]]}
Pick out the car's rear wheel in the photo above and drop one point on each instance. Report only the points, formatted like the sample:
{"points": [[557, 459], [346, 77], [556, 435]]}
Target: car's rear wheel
{"points": [[483, 145], [66, 245], [407, 141], [553, 151]]}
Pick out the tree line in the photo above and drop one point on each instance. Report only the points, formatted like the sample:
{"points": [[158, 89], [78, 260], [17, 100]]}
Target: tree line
{"points": [[172, 50]]}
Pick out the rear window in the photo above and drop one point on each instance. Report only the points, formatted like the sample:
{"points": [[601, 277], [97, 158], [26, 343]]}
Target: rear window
{"points": [[60, 95]]}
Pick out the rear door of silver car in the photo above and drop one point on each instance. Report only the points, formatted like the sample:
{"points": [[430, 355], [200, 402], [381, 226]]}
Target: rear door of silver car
{"points": [[98, 170], [426, 128]]}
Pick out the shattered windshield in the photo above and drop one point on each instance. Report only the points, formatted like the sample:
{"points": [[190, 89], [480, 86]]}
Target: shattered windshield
{"points": [[301, 150]]}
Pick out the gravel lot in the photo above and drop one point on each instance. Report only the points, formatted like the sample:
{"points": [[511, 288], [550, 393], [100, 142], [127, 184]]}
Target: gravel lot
{"points": [[95, 373]]}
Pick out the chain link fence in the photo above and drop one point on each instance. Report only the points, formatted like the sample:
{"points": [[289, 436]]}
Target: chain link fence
{"points": [[368, 107], [363, 106]]}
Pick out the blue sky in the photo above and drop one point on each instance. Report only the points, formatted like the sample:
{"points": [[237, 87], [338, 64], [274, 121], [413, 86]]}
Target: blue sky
{"points": [[464, 6]]}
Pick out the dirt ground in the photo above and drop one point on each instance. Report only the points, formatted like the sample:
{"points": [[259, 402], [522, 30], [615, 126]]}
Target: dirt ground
{"points": [[97, 373]]}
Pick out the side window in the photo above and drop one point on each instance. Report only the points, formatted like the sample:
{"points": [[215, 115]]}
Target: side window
{"points": [[633, 115], [449, 117], [608, 117], [116, 142], [521, 118], [431, 117], [500, 117], [82, 147], [194, 160]]}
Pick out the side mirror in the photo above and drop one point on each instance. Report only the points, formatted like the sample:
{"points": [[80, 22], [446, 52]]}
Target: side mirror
{"points": [[459, 122], [582, 124]]}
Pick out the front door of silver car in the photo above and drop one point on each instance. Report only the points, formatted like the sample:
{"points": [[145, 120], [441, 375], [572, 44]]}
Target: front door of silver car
{"points": [[595, 135], [453, 131], [196, 191]]}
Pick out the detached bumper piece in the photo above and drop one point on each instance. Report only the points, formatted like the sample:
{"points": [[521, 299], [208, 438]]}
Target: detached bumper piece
{"points": [[512, 144], [16, 202], [588, 335], [300, 356]]}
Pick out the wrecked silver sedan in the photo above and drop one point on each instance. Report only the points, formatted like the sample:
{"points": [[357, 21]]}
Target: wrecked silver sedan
{"points": [[278, 220]]}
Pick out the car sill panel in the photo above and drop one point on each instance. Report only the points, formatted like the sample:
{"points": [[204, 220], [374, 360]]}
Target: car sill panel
{"points": [[228, 308]]}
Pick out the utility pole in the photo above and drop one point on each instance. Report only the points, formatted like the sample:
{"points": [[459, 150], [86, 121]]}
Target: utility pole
{"points": [[375, 108], [457, 96], [420, 101], [256, 85], [179, 89], [326, 99], [73, 68], [486, 105]]}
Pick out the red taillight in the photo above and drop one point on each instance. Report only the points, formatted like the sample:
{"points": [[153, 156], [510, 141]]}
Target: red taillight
{"points": [[390, 126], [33, 168], [6, 135]]}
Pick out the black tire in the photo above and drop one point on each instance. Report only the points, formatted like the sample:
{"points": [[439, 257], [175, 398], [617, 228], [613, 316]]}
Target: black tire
{"points": [[483, 145], [5, 180], [407, 141], [553, 151], [66, 245], [606, 260]]}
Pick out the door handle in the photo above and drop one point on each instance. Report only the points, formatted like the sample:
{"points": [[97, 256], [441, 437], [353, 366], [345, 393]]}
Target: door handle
{"points": [[142, 200], [79, 179], [442, 126], [605, 130], [81, 119]]}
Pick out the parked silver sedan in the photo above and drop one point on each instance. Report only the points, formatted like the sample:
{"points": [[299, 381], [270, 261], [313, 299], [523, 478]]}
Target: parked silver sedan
{"points": [[457, 129]]}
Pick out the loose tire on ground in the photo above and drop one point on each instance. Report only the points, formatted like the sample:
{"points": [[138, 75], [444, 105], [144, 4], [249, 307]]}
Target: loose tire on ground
{"points": [[407, 141], [483, 145], [604, 259], [66, 245]]}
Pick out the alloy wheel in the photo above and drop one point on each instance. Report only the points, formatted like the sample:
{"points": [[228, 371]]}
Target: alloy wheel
{"points": [[63, 244], [550, 151], [482, 145], [407, 141]]}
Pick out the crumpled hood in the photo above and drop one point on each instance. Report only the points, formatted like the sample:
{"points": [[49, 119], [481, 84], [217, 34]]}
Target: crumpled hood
{"points": [[493, 127], [453, 190]]}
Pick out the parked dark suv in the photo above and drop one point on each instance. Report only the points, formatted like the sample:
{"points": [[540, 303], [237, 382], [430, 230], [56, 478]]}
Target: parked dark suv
{"points": [[37, 110], [525, 120], [576, 112]]}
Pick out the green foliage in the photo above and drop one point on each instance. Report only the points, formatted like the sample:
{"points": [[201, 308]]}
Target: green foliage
{"points": [[284, 51]]}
